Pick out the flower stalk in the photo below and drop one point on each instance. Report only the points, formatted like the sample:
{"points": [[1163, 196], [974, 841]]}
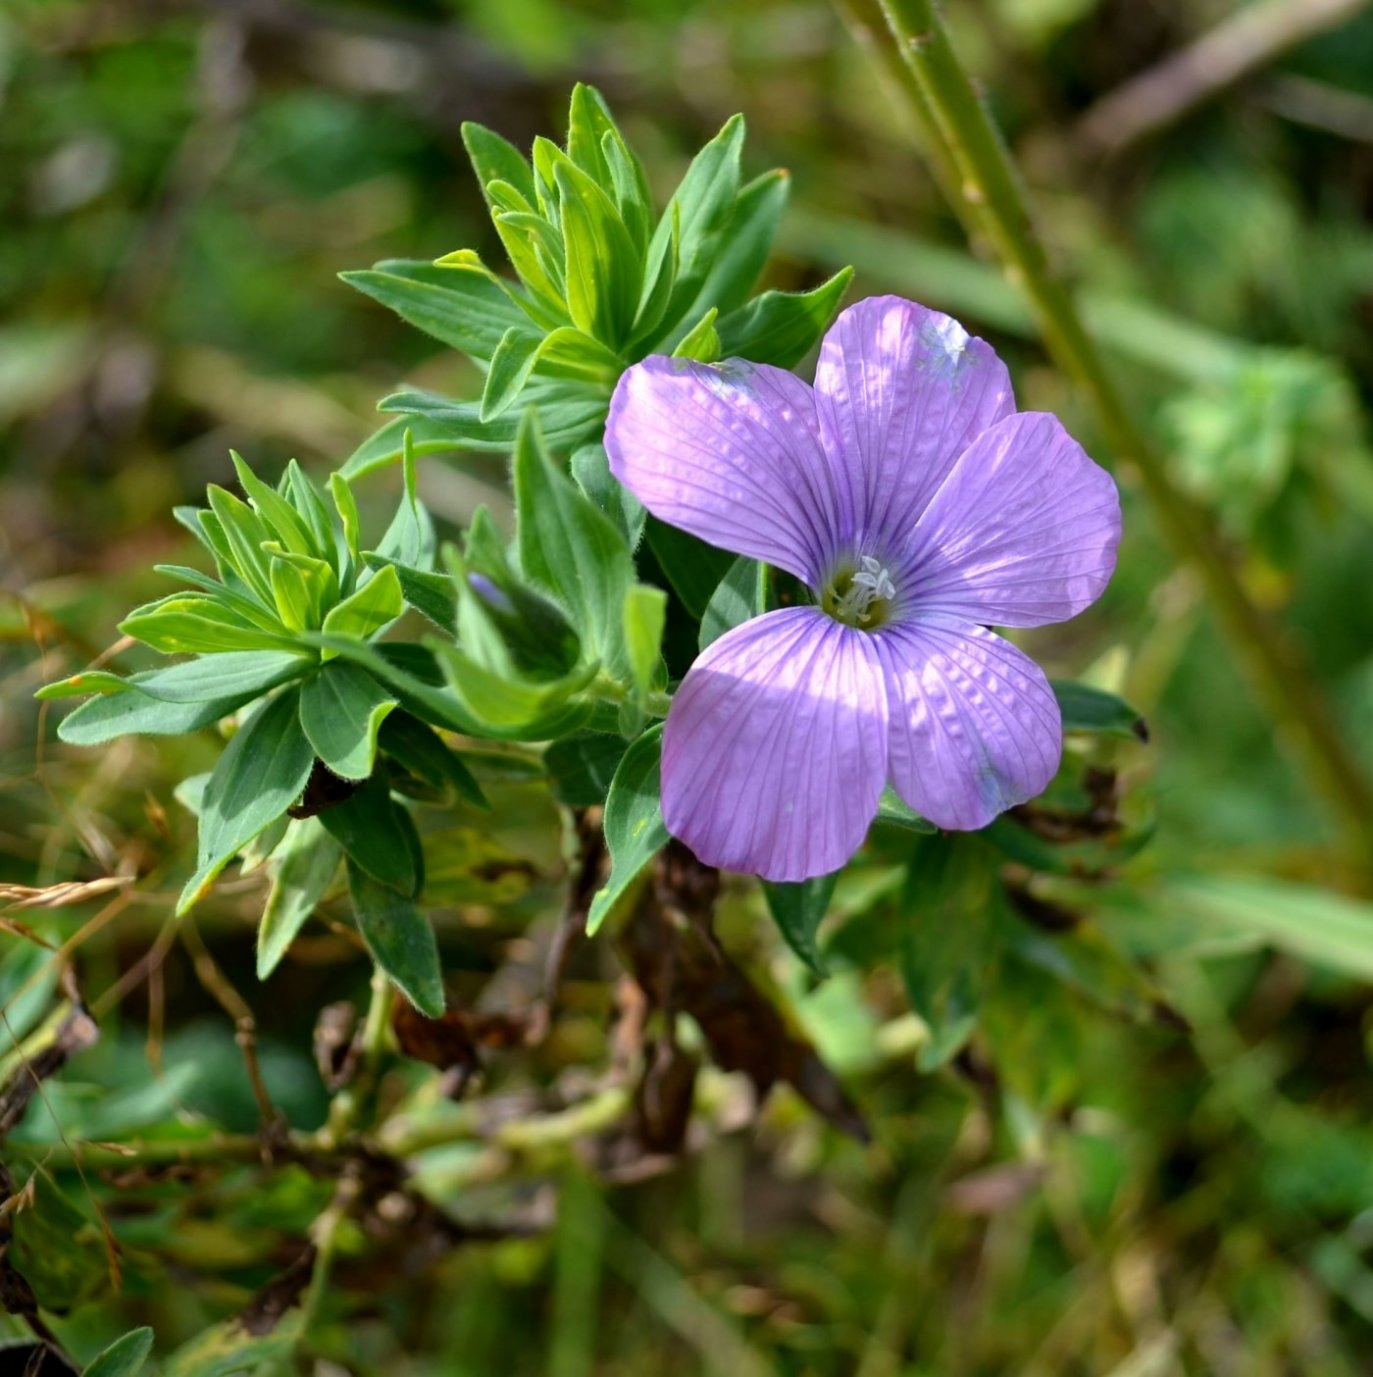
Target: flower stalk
{"points": [[993, 206]]}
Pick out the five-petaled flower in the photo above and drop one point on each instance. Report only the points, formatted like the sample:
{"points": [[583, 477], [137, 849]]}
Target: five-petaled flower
{"points": [[918, 506]]}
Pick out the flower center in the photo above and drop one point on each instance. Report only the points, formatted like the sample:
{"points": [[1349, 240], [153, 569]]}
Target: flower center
{"points": [[859, 597]]}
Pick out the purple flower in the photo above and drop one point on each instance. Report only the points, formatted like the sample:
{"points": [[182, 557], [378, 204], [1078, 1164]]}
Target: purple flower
{"points": [[916, 503]]}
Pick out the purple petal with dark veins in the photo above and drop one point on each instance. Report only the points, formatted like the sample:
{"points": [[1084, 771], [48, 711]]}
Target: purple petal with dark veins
{"points": [[774, 752]]}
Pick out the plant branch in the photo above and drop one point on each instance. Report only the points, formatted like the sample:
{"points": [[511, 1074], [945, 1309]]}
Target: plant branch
{"points": [[993, 202], [1242, 43]]}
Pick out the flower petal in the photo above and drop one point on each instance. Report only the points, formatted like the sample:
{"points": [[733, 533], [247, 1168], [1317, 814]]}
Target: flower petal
{"points": [[729, 452], [774, 753], [901, 391], [975, 727], [1023, 532]]}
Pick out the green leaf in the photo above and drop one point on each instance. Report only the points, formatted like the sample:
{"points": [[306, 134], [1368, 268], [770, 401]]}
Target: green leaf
{"points": [[504, 703], [244, 533], [634, 831], [739, 597], [386, 446], [396, 666], [949, 940], [429, 593], [571, 548], [603, 266], [495, 159], [700, 209], [781, 328], [701, 342], [797, 910], [511, 365], [124, 1357], [581, 768], [1303, 920], [892, 808], [191, 624], [743, 251], [229, 1350], [410, 538], [240, 674], [417, 748], [693, 568], [376, 604], [136, 714], [303, 867], [341, 710], [400, 939], [376, 834], [458, 308], [591, 469], [286, 524], [1087, 709], [645, 616], [1085, 961], [571, 414], [55, 1245], [569, 353], [262, 772]]}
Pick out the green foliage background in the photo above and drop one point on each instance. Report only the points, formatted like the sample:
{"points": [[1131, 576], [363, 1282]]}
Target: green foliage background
{"points": [[1159, 1172]]}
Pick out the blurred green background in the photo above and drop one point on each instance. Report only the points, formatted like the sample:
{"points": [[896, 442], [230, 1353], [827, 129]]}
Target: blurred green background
{"points": [[1171, 1179]]}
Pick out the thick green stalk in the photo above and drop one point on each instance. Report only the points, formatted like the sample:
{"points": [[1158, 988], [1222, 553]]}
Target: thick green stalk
{"points": [[993, 205]]}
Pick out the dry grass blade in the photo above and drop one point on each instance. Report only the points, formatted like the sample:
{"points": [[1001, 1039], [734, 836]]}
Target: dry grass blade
{"points": [[65, 895]]}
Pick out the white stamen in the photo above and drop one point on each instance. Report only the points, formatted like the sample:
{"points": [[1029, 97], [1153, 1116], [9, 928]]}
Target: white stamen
{"points": [[870, 583]]}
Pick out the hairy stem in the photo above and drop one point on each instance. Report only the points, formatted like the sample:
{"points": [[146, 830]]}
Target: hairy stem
{"points": [[993, 205]]}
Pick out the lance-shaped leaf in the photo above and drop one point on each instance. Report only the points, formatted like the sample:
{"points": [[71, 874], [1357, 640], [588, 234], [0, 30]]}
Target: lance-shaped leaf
{"points": [[195, 624], [287, 526], [136, 714], [425, 591], [738, 597], [244, 533], [376, 604], [591, 470], [950, 938], [698, 213], [261, 773], [341, 711], [645, 614], [305, 588], [303, 867], [743, 251], [511, 365], [125, 1357], [702, 341], [581, 768], [400, 939], [797, 910], [1087, 709], [571, 413], [420, 750], [506, 704], [633, 823], [496, 159], [571, 548], [603, 265], [378, 835], [781, 328], [461, 309], [240, 674], [386, 446]]}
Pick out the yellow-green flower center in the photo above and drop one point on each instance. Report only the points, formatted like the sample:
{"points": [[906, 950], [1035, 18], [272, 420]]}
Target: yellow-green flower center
{"points": [[860, 597]]}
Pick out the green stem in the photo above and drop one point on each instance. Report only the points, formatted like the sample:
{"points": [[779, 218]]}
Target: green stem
{"points": [[610, 690], [992, 202], [353, 1100]]}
